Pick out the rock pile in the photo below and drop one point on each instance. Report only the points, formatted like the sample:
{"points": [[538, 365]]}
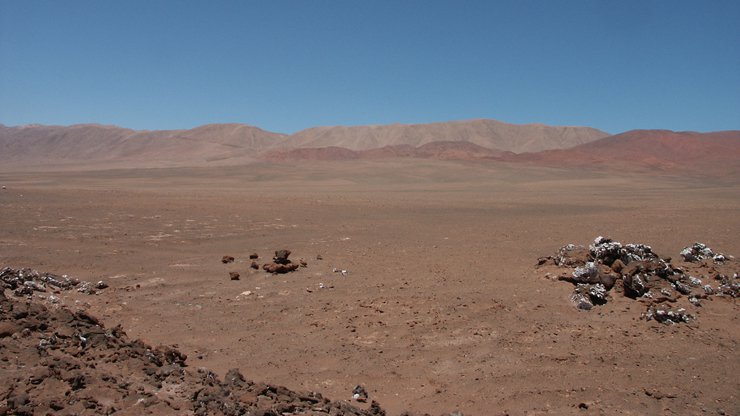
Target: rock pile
{"points": [[698, 252], [635, 271], [26, 282], [56, 360], [280, 263]]}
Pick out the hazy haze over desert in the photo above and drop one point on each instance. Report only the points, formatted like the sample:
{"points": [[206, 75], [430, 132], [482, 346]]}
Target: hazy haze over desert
{"points": [[491, 208]]}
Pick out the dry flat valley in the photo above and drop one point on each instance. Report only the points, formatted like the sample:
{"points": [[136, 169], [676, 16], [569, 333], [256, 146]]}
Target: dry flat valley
{"points": [[421, 281]]}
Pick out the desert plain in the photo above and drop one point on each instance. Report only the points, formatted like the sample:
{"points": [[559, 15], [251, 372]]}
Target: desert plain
{"points": [[442, 307]]}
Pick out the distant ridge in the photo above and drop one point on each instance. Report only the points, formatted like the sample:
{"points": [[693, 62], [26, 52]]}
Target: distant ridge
{"points": [[94, 146], [491, 134], [219, 144]]}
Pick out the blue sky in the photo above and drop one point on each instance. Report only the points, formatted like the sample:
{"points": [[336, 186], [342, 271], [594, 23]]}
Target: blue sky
{"points": [[289, 65]]}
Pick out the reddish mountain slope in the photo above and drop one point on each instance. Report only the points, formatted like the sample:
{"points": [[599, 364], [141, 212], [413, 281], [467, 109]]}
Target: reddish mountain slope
{"points": [[654, 149]]}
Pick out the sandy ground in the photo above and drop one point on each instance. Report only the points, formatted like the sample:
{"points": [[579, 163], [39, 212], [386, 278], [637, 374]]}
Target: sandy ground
{"points": [[442, 308]]}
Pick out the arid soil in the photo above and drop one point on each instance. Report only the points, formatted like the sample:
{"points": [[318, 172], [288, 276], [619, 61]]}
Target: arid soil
{"points": [[421, 281]]}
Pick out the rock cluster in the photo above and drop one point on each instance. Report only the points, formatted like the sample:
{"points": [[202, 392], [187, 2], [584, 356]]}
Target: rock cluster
{"points": [[698, 252], [26, 282], [281, 264], [635, 271], [56, 361]]}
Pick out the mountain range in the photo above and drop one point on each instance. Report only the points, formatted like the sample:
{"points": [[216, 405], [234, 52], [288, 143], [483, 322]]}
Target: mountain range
{"points": [[98, 146]]}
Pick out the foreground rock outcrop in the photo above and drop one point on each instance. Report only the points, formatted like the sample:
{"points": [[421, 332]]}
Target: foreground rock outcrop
{"points": [[56, 361]]}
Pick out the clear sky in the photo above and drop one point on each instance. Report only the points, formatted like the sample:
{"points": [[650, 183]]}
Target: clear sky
{"points": [[288, 65]]}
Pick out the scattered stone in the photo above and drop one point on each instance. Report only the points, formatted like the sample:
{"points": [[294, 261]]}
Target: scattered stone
{"points": [[87, 288], [234, 275], [227, 259], [319, 257], [667, 315], [254, 256], [254, 265], [359, 393], [303, 263], [101, 285]]}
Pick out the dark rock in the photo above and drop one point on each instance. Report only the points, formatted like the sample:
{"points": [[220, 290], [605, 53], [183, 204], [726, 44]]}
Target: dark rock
{"points": [[254, 256], [227, 259], [359, 393], [281, 257], [254, 265], [234, 275], [683, 288], [634, 285], [605, 250]]}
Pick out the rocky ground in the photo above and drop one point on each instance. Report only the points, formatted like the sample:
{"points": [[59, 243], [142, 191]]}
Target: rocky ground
{"points": [[57, 361]]}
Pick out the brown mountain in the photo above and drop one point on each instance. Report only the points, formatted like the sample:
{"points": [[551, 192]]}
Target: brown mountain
{"points": [[489, 134], [112, 146], [96, 146], [650, 149]]}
